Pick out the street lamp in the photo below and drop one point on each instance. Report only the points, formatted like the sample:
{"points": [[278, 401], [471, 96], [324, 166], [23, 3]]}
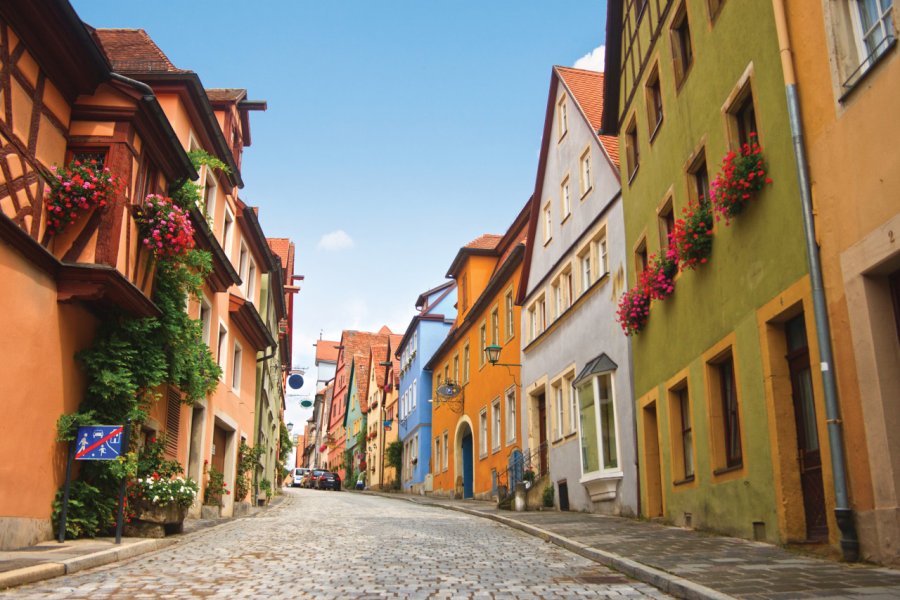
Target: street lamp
{"points": [[290, 427], [493, 356]]}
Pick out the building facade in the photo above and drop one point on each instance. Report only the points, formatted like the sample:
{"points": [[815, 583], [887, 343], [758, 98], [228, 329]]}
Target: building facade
{"points": [[576, 368], [475, 423], [722, 420], [425, 332]]}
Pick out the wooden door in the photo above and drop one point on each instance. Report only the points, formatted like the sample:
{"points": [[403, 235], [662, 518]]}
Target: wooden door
{"points": [[218, 457], [652, 465], [809, 454]]}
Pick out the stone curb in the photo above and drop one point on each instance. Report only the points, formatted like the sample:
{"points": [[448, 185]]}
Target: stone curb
{"points": [[667, 582]]}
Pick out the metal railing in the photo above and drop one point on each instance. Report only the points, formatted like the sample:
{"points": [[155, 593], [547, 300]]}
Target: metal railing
{"points": [[524, 467]]}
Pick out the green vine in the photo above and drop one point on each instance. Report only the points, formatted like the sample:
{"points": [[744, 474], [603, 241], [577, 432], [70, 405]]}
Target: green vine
{"points": [[248, 458], [189, 194]]}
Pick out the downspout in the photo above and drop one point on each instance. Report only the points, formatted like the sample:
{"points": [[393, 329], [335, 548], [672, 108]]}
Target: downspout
{"points": [[842, 511]]}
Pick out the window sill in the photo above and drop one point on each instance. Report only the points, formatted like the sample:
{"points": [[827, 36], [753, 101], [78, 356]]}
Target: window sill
{"points": [[571, 434], [688, 479], [565, 218], [547, 241], [496, 450], [874, 62], [586, 192], [633, 174], [601, 486], [656, 129], [562, 137], [726, 470], [482, 456]]}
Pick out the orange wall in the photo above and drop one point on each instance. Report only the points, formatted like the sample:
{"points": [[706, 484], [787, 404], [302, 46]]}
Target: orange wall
{"points": [[485, 385]]}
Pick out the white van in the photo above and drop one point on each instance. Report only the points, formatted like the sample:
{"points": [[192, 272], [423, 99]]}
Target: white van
{"points": [[298, 476]]}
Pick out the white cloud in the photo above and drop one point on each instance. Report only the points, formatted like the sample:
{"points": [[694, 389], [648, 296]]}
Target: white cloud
{"points": [[336, 240], [593, 60]]}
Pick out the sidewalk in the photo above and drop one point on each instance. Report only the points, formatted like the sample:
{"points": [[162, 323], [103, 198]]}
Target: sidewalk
{"points": [[52, 559], [688, 563]]}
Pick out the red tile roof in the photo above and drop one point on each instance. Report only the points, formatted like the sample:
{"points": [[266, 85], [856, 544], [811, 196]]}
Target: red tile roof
{"points": [[587, 89], [226, 94], [488, 241], [327, 351], [132, 50]]}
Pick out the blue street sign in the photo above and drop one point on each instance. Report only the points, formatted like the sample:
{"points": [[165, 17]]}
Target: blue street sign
{"points": [[295, 382], [98, 442]]}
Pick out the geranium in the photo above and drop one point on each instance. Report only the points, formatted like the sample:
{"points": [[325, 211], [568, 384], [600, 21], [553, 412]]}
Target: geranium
{"points": [[692, 237], [743, 175], [166, 229], [75, 190], [634, 310], [658, 278]]}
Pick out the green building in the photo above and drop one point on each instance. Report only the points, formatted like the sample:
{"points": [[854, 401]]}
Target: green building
{"points": [[726, 399]]}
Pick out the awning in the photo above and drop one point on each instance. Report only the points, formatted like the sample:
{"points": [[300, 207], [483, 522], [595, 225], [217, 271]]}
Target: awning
{"points": [[595, 366]]}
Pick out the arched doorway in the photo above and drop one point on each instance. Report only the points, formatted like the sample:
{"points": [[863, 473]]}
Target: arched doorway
{"points": [[465, 459]]}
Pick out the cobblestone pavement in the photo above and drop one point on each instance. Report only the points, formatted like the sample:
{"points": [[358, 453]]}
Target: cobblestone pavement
{"points": [[340, 545], [739, 568]]}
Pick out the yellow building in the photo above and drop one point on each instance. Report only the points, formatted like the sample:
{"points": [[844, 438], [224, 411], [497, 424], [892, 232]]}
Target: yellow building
{"points": [[848, 81], [381, 429], [476, 429]]}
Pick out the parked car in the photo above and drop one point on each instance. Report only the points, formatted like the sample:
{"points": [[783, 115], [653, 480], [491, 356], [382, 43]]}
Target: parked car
{"points": [[299, 473], [329, 481], [311, 480]]}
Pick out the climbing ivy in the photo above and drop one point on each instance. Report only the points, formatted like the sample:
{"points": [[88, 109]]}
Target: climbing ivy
{"points": [[189, 194]]}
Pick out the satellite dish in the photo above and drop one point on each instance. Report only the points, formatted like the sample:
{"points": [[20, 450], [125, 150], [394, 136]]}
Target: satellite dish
{"points": [[306, 403], [295, 382], [448, 390]]}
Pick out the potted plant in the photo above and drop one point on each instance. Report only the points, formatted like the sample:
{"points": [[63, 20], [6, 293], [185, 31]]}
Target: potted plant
{"points": [[265, 486], [658, 278], [213, 495], [692, 237], [634, 310], [158, 497], [76, 190], [165, 228], [743, 175]]}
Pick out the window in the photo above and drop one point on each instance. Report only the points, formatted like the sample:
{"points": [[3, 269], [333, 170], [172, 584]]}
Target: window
{"points": [[568, 288], [560, 404], [236, 368], [565, 199], [573, 402], [542, 314], [463, 296], [587, 273], [209, 195], [683, 438], [598, 424], [482, 339], [666, 217], [495, 421], [731, 417], [466, 363], [447, 373], [654, 101], [510, 317], [632, 151], [682, 51], [251, 281], [446, 450], [495, 326], [227, 232], [556, 299], [563, 117], [873, 31], [602, 256], [532, 322], [456, 368], [586, 181], [714, 7], [547, 223], [205, 318], [483, 433], [511, 422], [220, 348], [640, 256], [415, 392], [437, 453], [742, 115]]}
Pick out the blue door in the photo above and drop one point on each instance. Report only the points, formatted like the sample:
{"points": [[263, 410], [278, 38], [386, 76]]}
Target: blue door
{"points": [[467, 466]]}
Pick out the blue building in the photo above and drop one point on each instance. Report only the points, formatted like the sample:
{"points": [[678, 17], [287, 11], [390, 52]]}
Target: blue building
{"points": [[426, 331]]}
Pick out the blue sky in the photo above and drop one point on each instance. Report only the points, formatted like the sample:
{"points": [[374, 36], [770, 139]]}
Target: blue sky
{"points": [[402, 129]]}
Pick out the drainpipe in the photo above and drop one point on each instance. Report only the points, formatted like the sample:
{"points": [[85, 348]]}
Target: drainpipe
{"points": [[842, 511]]}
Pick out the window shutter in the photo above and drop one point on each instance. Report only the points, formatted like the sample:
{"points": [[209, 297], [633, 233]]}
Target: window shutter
{"points": [[173, 420]]}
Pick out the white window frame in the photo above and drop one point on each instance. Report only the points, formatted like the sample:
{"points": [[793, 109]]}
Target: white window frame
{"points": [[251, 280], [228, 233], [572, 398], [602, 472], [437, 453], [237, 354], [565, 198], [859, 34], [511, 418], [221, 348], [548, 222], [496, 425], [206, 322], [483, 433], [559, 400], [584, 168], [447, 451], [562, 116]]}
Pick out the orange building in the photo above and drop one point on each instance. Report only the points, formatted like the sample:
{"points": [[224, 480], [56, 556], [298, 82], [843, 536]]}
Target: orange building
{"points": [[381, 431], [63, 102], [842, 60], [476, 430]]}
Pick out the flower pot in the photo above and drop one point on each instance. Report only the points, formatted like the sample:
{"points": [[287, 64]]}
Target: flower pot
{"points": [[156, 520]]}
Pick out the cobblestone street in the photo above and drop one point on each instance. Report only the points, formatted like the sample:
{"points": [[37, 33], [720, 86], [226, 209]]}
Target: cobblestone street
{"points": [[340, 545]]}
